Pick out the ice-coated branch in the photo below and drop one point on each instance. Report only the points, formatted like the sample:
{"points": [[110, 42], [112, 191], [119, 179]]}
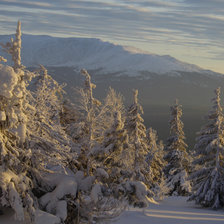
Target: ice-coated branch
{"points": [[16, 57], [135, 96]]}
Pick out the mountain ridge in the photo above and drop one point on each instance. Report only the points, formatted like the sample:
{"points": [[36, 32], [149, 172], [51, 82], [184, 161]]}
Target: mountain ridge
{"points": [[93, 53]]}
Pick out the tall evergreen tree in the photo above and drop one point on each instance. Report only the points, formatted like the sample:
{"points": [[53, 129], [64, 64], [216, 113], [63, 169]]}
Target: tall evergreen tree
{"points": [[89, 104], [15, 182], [112, 103], [48, 97], [137, 136], [86, 127], [29, 145], [208, 177], [178, 160]]}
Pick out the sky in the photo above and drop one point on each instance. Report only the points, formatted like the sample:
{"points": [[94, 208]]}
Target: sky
{"points": [[189, 30]]}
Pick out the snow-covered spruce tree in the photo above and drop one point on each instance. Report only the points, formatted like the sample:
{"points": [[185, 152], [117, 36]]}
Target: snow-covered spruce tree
{"points": [[177, 158], [156, 163], [54, 183], [109, 179], [15, 183], [111, 151], [48, 97], [104, 192], [98, 200], [90, 107], [113, 155], [208, 176], [62, 187], [84, 131], [112, 103], [33, 152], [102, 115], [137, 137]]}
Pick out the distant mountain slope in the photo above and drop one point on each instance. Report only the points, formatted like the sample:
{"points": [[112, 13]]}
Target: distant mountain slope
{"points": [[95, 54]]}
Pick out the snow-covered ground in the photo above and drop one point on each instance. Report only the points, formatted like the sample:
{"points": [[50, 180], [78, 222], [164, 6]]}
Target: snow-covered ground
{"points": [[173, 210], [41, 218]]}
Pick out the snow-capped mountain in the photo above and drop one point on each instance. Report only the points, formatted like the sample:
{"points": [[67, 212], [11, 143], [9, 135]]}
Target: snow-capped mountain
{"points": [[95, 54]]}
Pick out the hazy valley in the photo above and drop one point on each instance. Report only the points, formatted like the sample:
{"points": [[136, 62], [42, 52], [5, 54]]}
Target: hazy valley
{"points": [[157, 93]]}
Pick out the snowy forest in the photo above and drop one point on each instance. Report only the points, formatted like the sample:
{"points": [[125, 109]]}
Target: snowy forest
{"points": [[86, 162]]}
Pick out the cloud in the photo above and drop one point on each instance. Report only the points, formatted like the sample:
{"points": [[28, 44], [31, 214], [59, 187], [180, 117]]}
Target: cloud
{"points": [[128, 17], [24, 3], [194, 23]]}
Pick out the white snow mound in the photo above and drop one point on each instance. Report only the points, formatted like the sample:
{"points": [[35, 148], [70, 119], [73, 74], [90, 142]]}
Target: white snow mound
{"points": [[8, 80]]}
